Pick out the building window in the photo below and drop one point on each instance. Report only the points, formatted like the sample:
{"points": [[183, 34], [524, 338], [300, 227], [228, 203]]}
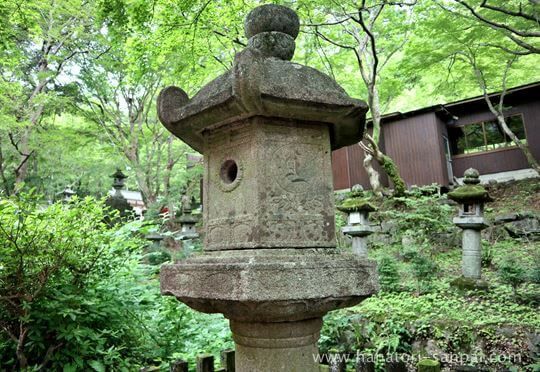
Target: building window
{"points": [[485, 136]]}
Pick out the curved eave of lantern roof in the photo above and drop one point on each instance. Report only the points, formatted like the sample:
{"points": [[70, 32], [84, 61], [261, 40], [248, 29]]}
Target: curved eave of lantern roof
{"points": [[271, 87]]}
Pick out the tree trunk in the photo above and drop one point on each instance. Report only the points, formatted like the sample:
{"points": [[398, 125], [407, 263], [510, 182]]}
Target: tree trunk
{"points": [[21, 357], [390, 168], [373, 175], [3, 173], [24, 150], [523, 147]]}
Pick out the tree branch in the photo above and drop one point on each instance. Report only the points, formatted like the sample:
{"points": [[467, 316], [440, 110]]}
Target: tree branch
{"points": [[498, 25], [519, 13]]}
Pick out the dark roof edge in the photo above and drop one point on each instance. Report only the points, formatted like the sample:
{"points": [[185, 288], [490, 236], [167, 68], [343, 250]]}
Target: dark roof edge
{"points": [[442, 107]]}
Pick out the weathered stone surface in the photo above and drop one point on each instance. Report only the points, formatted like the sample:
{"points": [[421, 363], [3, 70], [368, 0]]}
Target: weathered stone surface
{"points": [[274, 285], [470, 222], [287, 346], [271, 17], [281, 195], [266, 129]]}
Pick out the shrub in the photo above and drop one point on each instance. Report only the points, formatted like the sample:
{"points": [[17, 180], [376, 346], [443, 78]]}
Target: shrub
{"points": [[424, 271], [55, 262], [75, 296], [388, 274], [512, 273]]}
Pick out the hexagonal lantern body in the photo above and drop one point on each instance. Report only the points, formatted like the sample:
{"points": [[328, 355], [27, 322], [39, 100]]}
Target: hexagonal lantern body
{"points": [[268, 184], [468, 209]]}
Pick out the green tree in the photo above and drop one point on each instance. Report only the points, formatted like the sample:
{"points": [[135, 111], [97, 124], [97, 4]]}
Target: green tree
{"points": [[473, 57], [365, 29], [40, 43]]}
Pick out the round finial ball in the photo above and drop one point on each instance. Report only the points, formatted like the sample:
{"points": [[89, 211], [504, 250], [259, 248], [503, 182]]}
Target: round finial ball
{"points": [[471, 176], [271, 17]]}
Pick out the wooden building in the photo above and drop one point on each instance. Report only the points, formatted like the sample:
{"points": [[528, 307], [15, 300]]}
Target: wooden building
{"points": [[438, 143]]}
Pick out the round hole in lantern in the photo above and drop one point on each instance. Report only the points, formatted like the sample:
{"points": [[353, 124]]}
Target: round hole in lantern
{"points": [[229, 171]]}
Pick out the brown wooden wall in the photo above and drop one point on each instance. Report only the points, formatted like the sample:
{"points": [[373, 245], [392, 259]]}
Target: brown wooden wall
{"points": [[340, 169], [502, 160], [348, 168], [416, 145]]}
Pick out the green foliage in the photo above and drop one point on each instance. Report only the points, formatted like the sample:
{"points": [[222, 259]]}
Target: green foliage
{"points": [[424, 270], [75, 296], [421, 214], [388, 274], [512, 273]]}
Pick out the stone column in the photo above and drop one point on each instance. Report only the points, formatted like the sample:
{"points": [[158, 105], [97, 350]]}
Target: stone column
{"points": [[284, 346], [472, 253], [270, 264], [358, 228], [471, 197]]}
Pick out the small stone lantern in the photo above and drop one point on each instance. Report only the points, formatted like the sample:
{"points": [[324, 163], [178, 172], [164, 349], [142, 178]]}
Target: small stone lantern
{"points": [[67, 194], [186, 219], [118, 180], [155, 240], [358, 228], [267, 128], [471, 198], [117, 200]]}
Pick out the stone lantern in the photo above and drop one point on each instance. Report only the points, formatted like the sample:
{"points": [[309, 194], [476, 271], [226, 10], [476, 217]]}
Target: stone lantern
{"points": [[270, 265], [67, 194], [358, 228], [117, 200], [155, 240], [471, 198], [187, 219], [118, 180]]}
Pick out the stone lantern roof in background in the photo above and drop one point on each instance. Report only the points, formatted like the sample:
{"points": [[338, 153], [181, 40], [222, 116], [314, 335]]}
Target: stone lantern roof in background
{"points": [[472, 191], [356, 201]]}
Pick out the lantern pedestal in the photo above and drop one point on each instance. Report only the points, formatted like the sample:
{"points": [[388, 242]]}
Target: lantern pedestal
{"points": [[289, 346], [471, 245], [274, 298]]}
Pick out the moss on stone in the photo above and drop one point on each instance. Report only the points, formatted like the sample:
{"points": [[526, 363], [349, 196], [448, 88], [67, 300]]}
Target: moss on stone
{"points": [[470, 193], [469, 284], [429, 365], [356, 205]]}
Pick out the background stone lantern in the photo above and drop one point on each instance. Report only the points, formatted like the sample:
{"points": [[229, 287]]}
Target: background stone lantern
{"points": [[67, 194], [471, 198], [357, 208], [118, 180], [270, 265], [117, 200]]}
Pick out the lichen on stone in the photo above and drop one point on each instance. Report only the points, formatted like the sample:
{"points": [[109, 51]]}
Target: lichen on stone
{"points": [[356, 205], [470, 193]]}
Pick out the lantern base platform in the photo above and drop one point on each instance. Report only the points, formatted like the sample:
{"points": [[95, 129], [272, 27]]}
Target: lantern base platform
{"points": [[271, 285], [470, 222], [357, 230]]}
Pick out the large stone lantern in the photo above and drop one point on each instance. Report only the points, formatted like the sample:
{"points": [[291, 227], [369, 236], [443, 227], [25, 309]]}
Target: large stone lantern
{"points": [[267, 128], [471, 198]]}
